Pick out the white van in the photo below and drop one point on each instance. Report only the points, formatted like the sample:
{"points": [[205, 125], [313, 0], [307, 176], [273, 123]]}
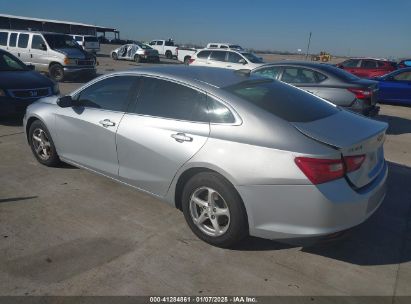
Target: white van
{"points": [[219, 45], [88, 43], [52, 53]]}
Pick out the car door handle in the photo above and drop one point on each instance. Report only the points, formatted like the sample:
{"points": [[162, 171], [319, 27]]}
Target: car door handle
{"points": [[181, 137], [107, 123]]}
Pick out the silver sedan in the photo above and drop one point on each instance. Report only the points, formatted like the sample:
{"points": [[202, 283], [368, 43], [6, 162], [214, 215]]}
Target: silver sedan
{"points": [[238, 154]]}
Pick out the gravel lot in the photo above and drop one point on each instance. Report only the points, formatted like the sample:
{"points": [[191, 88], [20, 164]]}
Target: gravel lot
{"points": [[65, 231]]}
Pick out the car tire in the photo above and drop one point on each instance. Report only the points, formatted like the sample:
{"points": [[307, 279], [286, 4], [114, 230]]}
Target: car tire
{"points": [[169, 55], [42, 145], [137, 58], [114, 56], [56, 72], [187, 60], [225, 210]]}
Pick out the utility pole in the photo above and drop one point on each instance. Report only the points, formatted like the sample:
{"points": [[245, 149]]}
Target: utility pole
{"points": [[308, 47]]}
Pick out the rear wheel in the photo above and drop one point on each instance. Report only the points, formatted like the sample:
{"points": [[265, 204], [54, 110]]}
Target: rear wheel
{"points": [[42, 145], [114, 56], [137, 58], [169, 55], [187, 60], [56, 72], [213, 210]]}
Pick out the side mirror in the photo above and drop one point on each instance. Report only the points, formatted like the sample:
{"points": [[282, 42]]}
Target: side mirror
{"points": [[66, 102], [242, 61], [43, 47]]}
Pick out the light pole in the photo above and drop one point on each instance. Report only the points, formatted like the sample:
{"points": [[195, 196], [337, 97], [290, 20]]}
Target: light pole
{"points": [[308, 46]]}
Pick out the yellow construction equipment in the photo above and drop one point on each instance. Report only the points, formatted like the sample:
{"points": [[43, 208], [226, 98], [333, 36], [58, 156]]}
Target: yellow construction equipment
{"points": [[323, 57]]}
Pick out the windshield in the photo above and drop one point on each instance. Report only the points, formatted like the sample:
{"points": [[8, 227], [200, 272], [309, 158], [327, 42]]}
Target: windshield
{"points": [[253, 58], [145, 46], [282, 100], [11, 63], [57, 41]]}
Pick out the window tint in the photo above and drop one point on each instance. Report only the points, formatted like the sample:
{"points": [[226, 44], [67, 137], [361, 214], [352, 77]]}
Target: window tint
{"points": [[403, 76], [169, 43], [203, 54], [213, 45], [13, 39], [380, 64], [112, 93], [23, 41], [3, 38], [37, 42], [152, 43], [271, 72], [166, 99], [320, 77], [352, 63], [159, 42], [298, 75], [223, 47], [283, 101], [219, 113], [218, 55], [234, 57], [368, 64]]}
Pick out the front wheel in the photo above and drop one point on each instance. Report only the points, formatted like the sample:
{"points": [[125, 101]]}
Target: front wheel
{"points": [[42, 145], [169, 55], [114, 56], [56, 72], [214, 210]]}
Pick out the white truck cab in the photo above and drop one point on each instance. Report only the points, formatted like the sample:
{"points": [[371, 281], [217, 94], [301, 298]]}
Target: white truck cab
{"points": [[165, 47], [220, 45]]}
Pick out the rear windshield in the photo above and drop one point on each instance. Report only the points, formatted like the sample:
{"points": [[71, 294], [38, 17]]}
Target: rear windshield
{"points": [[90, 39], [339, 73], [253, 58], [282, 100]]}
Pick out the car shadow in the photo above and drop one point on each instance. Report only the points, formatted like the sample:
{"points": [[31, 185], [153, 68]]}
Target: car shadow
{"points": [[16, 199], [12, 121], [397, 125], [384, 239]]}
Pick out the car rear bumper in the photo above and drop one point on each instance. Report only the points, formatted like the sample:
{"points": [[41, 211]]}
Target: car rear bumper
{"points": [[307, 211]]}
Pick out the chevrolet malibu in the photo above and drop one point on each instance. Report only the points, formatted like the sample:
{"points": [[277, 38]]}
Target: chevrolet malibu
{"points": [[238, 154]]}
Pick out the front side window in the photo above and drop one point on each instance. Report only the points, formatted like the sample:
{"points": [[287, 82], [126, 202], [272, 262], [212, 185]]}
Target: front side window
{"points": [[283, 101], [161, 98], [159, 42], [3, 38], [169, 43], [368, 64], [112, 93], [234, 57], [352, 63], [152, 43], [404, 76], [23, 41], [271, 72], [11, 63], [298, 75], [218, 55], [37, 42], [203, 54], [13, 40]]}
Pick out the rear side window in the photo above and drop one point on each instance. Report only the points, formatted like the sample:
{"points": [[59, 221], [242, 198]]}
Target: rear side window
{"points": [[112, 93], [23, 41], [368, 64], [223, 47], [167, 99], [213, 45], [352, 63], [13, 39], [203, 54], [218, 55], [169, 43], [286, 102], [404, 76], [299, 75], [271, 72], [159, 42], [219, 113], [3, 38]]}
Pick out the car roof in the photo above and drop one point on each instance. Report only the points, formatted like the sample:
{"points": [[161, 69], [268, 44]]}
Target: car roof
{"points": [[198, 75]]}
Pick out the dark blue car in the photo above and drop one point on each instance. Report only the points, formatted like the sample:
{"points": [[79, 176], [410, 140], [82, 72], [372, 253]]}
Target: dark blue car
{"points": [[20, 85], [395, 87]]}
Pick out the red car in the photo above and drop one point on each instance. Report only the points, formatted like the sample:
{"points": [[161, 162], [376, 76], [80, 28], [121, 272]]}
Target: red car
{"points": [[368, 67]]}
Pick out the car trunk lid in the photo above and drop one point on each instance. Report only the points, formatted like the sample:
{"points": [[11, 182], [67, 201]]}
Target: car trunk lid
{"points": [[352, 135]]}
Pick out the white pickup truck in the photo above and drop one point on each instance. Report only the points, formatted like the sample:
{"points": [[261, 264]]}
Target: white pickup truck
{"points": [[165, 47], [185, 54]]}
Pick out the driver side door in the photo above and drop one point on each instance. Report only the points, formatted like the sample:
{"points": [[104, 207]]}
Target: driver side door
{"points": [[397, 88], [86, 134]]}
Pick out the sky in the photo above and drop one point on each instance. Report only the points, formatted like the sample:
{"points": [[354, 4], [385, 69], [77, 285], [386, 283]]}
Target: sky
{"points": [[377, 28]]}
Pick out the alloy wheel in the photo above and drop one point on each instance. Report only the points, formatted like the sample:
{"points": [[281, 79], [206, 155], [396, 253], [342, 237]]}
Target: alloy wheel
{"points": [[41, 144]]}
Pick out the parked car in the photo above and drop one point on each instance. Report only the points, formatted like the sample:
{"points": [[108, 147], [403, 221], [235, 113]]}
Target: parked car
{"points": [[395, 87], [328, 82], [137, 52], [88, 43], [312, 169], [404, 63], [229, 59], [52, 53], [368, 67], [184, 54], [165, 48], [219, 45], [20, 85]]}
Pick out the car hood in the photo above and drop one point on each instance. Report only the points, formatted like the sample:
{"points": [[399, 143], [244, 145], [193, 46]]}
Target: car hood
{"points": [[73, 53], [23, 80]]}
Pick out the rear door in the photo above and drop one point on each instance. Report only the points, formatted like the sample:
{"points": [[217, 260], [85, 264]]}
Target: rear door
{"points": [[23, 48], [161, 131], [38, 53], [235, 61], [396, 88], [86, 134]]}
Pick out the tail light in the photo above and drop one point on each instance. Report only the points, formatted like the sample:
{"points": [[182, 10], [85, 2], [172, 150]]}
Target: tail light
{"points": [[320, 171], [190, 61], [361, 93]]}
